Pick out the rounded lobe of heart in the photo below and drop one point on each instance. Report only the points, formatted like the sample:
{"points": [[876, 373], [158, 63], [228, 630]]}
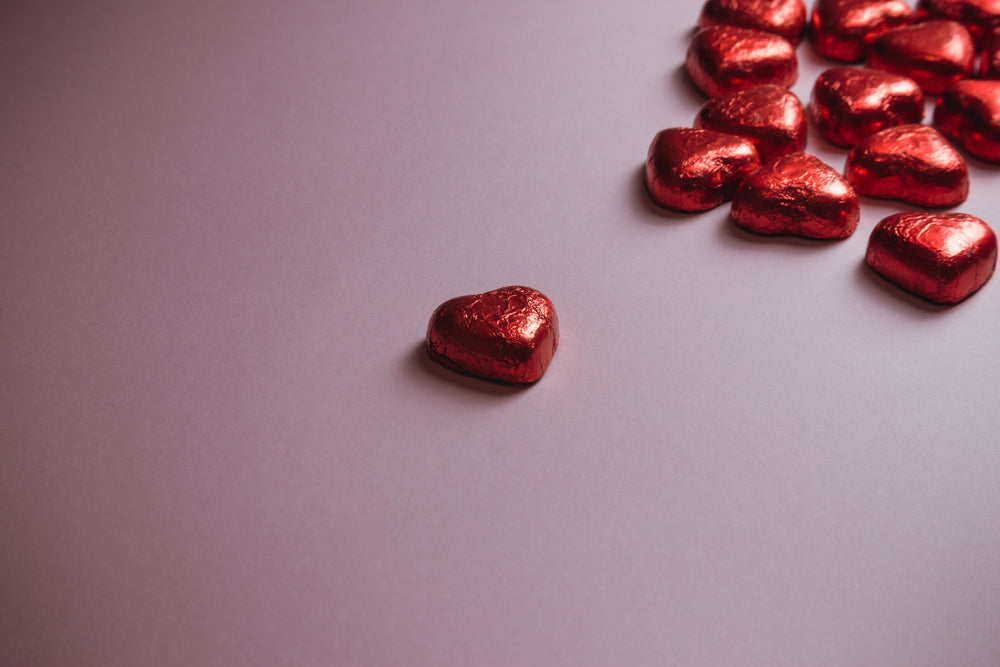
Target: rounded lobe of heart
{"points": [[692, 170], [933, 53], [911, 163], [978, 16], [800, 195], [851, 103], [942, 257], [843, 29], [781, 17], [726, 59], [508, 335], [969, 112], [770, 116]]}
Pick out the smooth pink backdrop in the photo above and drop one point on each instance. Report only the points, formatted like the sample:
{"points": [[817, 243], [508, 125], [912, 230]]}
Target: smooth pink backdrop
{"points": [[223, 226]]}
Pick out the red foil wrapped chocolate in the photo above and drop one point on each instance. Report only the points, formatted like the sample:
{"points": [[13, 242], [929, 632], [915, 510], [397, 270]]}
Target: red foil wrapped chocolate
{"points": [[851, 103], [693, 170], [969, 112], [942, 257], [508, 335], [797, 194], [933, 53], [911, 163], [781, 17], [979, 16], [990, 68], [727, 59], [769, 116], [843, 29]]}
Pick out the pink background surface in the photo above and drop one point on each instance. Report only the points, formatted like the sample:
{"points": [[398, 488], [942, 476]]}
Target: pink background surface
{"points": [[223, 226]]}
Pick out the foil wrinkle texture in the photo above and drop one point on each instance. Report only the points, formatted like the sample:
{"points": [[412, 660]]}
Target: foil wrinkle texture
{"points": [[781, 17], [850, 103], [508, 335], [969, 112], [689, 169], [727, 59], [942, 257], [980, 17], [843, 29], [798, 195], [911, 163], [933, 53], [770, 116]]}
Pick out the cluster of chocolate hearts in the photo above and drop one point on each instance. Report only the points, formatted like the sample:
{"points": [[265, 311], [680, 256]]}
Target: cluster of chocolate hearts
{"points": [[746, 142]]}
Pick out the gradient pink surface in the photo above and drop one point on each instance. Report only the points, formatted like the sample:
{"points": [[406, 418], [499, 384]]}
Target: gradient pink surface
{"points": [[223, 226]]}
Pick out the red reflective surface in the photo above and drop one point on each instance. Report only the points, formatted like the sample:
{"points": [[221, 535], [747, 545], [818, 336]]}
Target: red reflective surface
{"points": [[933, 53], [782, 17], [943, 257], [843, 29], [851, 103], [509, 334], [694, 170], [770, 116], [797, 194], [727, 59], [969, 112], [911, 163]]}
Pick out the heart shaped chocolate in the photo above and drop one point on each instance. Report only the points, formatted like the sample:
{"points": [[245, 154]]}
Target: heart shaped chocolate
{"points": [[933, 54], [911, 163], [851, 103], [978, 16], [770, 116], [726, 59], [694, 170], [969, 112], [943, 257], [843, 29], [797, 194], [782, 17], [509, 334]]}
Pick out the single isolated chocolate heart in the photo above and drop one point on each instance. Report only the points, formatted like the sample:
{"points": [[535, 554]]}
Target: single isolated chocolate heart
{"points": [[851, 103], [942, 257], [781, 17], [797, 194], [770, 116], [978, 16], [726, 59], [843, 29], [933, 54], [911, 163], [509, 334], [969, 112], [694, 170]]}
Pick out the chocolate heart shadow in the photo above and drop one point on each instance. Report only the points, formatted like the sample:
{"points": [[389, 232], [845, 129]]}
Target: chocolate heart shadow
{"points": [[682, 86], [643, 205], [893, 296], [421, 368], [732, 234]]}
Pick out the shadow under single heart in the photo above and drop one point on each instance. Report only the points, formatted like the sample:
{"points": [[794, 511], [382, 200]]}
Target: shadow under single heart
{"points": [[681, 85], [733, 235], [419, 365], [894, 296]]}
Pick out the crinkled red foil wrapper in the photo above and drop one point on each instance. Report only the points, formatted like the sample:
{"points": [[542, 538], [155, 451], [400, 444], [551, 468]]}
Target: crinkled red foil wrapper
{"points": [[979, 16], [782, 17], [942, 257], [800, 195], [843, 29], [727, 59], [693, 170], [911, 163], [849, 104], [770, 116], [969, 112], [509, 334], [933, 53]]}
